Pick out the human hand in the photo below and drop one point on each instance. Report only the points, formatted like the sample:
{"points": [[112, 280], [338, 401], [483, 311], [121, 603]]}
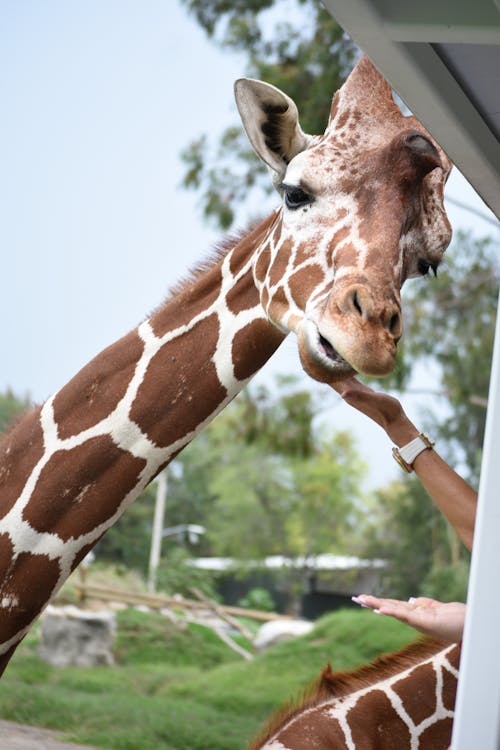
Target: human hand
{"points": [[429, 616], [383, 409]]}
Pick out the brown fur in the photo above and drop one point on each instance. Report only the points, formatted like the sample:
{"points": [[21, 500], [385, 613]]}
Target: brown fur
{"points": [[339, 684]]}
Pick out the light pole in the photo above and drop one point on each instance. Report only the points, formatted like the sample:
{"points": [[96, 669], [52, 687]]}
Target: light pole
{"points": [[155, 551], [192, 530]]}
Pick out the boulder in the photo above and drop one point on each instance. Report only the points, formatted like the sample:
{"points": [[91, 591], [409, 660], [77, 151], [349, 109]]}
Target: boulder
{"points": [[72, 637], [276, 631]]}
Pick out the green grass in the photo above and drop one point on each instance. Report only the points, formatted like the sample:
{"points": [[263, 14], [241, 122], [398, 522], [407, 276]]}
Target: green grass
{"points": [[183, 689]]}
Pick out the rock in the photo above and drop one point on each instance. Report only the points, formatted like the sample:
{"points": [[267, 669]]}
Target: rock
{"points": [[276, 631], [72, 637]]}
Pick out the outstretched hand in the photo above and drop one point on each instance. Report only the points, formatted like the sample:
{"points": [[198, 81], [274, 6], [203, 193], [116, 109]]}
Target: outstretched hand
{"points": [[429, 616], [383, 409]]}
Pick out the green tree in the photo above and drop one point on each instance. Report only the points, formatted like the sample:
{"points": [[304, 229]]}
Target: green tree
{"points": [[287, 488], [11, 406], [450, 321], [308, 56], [327, 510], [177, 576], [279, 418], [406, 529]]}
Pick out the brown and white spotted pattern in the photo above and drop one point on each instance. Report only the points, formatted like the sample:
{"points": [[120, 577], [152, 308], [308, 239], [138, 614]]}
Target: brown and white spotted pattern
{"points": [[362, 211], [402, 702]]}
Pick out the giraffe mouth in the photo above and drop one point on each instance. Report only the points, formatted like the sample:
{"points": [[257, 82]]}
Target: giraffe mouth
{"points": [[319, 357], [329, 350]]}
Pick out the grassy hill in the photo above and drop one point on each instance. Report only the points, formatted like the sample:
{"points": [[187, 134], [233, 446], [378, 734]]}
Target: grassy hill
{"points": [[183, 689]]}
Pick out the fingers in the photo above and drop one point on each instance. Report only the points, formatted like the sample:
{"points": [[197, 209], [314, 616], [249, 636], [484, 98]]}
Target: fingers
{"points": [[368, 601], [379, 603], [429, 616], [412, 612]]}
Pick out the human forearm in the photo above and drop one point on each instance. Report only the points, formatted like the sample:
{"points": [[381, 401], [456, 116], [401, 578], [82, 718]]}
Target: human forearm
{"points": [[450, 493]]}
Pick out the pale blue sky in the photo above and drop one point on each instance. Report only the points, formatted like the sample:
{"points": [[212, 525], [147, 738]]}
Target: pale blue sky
{"points": [[98, 100]]}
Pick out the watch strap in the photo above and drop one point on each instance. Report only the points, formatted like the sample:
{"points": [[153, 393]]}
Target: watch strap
{"points": [[406, 455]]}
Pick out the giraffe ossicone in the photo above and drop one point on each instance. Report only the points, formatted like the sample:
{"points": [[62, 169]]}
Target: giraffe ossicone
{"points": [[362, 210]]}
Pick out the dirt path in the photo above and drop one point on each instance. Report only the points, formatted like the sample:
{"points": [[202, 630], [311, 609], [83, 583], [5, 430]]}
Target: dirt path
{"points": [[22, 737]]}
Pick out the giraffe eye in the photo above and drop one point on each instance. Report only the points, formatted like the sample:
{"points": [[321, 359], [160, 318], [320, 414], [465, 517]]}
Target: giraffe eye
{"points": [[295, 197]]}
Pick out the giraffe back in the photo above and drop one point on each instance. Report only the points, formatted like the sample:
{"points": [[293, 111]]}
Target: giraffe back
{"points": [[401, 701]]}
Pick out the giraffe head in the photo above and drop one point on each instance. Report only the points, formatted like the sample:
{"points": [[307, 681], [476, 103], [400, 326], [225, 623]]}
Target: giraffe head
{"points": [[362, 211]]}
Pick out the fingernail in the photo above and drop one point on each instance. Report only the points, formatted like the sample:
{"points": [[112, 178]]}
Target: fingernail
{"points": [[376, 611], [411, 600]]}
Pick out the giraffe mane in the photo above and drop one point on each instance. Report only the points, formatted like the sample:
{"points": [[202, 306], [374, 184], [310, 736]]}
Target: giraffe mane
{"points": [[330, 684], [218, 251]]}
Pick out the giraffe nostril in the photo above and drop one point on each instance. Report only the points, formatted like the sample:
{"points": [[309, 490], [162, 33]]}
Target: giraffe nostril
{"points": [[356, 303], [395, 325]]}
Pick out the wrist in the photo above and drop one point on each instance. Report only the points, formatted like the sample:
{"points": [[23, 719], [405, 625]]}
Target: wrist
{"points": [[406, 455], [402, 432]]}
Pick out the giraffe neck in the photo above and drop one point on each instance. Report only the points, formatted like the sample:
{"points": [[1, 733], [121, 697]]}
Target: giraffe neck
{"points": [[410, 709], [70, 468]]}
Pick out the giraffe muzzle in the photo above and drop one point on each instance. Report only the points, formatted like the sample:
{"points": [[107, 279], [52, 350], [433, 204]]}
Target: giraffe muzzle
{"points": [[357, 331], [364, 327], [362, 304]]}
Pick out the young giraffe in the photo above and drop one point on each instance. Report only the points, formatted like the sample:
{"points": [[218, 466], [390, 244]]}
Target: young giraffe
{"points": [[404, 701], [362, 211]]}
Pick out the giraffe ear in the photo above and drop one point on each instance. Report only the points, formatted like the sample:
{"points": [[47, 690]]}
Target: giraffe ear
{"points": [[271, 121]]}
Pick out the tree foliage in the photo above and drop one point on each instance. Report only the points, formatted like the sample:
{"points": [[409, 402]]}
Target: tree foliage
{"points": [[450, 322], [127, 543], [11, 406], [406, 529], [275, 482], [296, 46]]}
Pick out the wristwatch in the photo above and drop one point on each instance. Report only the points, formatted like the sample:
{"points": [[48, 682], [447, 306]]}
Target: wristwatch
{"points": [[406, 455]]}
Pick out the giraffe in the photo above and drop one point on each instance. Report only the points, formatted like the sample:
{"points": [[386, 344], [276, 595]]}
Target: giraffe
{"points": [[403, 701], [361, 211]]}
